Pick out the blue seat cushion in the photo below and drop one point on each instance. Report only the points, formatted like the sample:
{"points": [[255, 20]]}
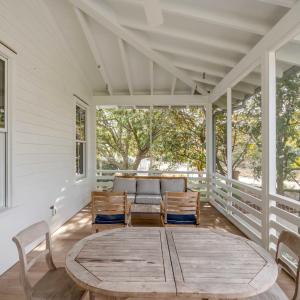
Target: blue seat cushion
{"points": [[181, 219], [110, 219]]}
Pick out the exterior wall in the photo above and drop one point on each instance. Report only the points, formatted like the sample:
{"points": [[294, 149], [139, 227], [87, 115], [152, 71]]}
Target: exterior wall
{"points": [[42, 115]]}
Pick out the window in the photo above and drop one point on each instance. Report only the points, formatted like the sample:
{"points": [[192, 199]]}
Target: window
{"points": [[3, 132], [80, 141]]}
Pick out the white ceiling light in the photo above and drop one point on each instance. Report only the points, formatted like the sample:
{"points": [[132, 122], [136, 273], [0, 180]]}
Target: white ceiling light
{"points": [[153, 12]]}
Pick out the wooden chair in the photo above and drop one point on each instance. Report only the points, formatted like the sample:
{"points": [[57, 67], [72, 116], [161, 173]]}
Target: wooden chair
{"points": [[180, 208], [291, 241], [110, 208], [55, 284]]}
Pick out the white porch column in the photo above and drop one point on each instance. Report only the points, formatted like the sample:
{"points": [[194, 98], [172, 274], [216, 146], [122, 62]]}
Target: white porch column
{"points": [[268, 140], [92, 146], [209, 146], [229, 145]]}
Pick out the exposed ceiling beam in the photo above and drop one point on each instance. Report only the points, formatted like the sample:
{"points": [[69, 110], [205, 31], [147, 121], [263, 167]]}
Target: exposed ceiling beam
{"points": [[282, 32], [187, 36], [252, 78], [125, 65], [151, 100], [213, 17], [219, 60], [173, 87], [99, 13], [211, 81], [284, 3], [94, 49]]}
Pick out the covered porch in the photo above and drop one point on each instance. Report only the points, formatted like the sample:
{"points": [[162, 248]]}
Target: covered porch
{"points": [[201, 90]]}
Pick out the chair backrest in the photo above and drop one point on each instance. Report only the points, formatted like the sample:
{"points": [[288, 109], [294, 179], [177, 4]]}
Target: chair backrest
{"points": [[23, 239], [181, 203], [109, 203], [292, 242], [156, 177]]}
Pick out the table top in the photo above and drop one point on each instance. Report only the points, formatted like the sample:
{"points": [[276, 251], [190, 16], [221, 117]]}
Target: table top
{"points": [[168, 262], [145, 208]]}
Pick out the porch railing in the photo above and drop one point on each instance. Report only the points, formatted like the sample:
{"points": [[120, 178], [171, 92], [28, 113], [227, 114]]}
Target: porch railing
{"points": [[195, 180], [238, 202], [242, 205]]}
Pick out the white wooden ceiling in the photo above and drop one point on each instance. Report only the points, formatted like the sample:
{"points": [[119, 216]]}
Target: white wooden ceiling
{"points": [[199, 42]]}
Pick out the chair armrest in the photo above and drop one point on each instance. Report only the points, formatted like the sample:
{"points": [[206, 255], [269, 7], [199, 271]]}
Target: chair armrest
{"points": [[128, 213]]}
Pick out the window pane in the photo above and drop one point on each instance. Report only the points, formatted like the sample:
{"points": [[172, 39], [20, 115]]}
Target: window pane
{"points": [[80, 158], [288, 123], [80, 124], [246, 130], [220, 135], [2, 93], [2, 170]]}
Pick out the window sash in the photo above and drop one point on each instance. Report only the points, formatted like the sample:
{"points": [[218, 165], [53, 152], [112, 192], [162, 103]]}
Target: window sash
{"points": [[80, 141]]}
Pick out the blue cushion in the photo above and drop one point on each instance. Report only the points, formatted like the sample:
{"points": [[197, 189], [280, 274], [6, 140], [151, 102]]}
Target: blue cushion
{"points": [[110, 219], [181, 219]]}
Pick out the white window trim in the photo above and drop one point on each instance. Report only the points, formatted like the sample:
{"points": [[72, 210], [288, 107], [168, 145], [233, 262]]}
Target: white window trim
{"points": [[80, 177], [9, 55]]}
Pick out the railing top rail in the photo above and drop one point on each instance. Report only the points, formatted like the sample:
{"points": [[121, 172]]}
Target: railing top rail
{"points": [[152, 172], [295, 204]]}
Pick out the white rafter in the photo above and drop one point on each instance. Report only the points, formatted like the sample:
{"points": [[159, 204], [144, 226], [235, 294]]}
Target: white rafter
{"points": [[194, 54], [125, 65], [187, 36], [283, 31], [94, 49], [99, 13], [210, 17], [213, 82], [174, 80], [284, 3], [151, 74]]}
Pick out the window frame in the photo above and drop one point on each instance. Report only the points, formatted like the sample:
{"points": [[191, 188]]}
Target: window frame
{"points": [[8, 55], [84, 142]]}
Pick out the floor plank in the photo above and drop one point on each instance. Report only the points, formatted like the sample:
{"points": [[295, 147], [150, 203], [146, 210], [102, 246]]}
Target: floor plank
{"points": [[80, 226]]}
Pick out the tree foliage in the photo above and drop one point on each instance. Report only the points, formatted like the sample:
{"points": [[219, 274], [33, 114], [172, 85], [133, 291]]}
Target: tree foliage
{"points": [[170, 138], [167, 137]]}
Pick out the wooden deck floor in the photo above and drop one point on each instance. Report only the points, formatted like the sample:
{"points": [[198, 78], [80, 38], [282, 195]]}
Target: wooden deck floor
{"points": [[80, 226]]}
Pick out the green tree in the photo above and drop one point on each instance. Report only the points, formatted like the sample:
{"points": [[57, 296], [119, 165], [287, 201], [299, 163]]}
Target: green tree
{"points": [[288, 130], [168, 136]]}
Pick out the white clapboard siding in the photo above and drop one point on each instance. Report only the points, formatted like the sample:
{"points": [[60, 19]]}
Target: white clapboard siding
{"points": [[46, 77]]}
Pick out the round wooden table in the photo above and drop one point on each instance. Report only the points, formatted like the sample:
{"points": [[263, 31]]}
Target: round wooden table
{"points": [[168, 263]]}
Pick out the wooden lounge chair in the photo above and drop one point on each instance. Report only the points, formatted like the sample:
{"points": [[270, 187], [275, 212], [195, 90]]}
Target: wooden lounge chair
{"points": [[110, 209], [292, 242], [180, 208], [55, 284]]}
